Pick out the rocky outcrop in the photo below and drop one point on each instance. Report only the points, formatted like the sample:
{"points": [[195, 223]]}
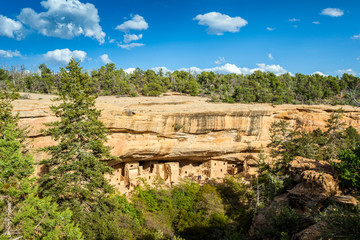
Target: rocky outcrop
{"points": [[182, 128], [316, 182], [314, 232], [316, 185]]}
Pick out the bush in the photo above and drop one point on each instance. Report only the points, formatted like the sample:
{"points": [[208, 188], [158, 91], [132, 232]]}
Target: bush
{"points": [[349, 168], [282, 223], [341, 223]]}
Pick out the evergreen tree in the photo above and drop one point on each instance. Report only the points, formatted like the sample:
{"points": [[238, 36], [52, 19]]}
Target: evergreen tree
{"points": [[76, 166], [22, 213]]}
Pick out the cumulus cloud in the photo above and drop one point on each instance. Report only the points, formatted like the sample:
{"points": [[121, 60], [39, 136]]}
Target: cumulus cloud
{"points": [[137, 22], [164, 69], [64, 19], [277, 69], [9, 53], [131, 45], [105, 58], [232, 68], [218, 23], [356, 36], [129, 70], [270, 29], [294, 20], [332, 12], [316, 22], [270, 56], [320, 73], [63, 56], [348, 71], [11, 28], [220, 60], [132, 37]]}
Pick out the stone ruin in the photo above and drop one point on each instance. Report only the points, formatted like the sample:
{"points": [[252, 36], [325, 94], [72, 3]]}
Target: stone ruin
{"points": [[128, 175]]}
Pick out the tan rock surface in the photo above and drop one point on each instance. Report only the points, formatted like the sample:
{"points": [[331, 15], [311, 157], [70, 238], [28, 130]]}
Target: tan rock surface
{"points": [[182, 127], [316, 182]]}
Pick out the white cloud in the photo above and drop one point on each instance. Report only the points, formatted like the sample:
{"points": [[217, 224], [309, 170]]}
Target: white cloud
{"points": [[316, 22], [164, 69], [270, 56], [63, 56], [193, 70], [105, 58], [332, 12], [232, 68], [129, 70], [220, 61], [65, 19], [277, 69], [136, 23], [358, 58], [295, 26], [270, 29], [131, 45], [11, 28], [348, 71], [294, 20], [219, 23], [132, 37], [9, 53], [320, 73], [356, 36]]}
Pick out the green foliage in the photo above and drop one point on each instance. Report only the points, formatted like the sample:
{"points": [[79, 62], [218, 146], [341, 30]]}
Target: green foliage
{"points": [[261, 87], [76, 167], [40, 219], [352, 137], [349, 168], [4, 78], [16, 166], [287, 143], [177, 127], [270, 184], [188, 210], [282, 223], [341, 222], [22, 213], [112, 218], [152, 200]]}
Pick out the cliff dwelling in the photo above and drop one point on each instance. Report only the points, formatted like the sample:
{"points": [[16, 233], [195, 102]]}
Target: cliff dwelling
{"points": [[127, 176]]}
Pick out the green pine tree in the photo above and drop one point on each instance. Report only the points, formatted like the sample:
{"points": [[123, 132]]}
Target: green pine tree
{"points": [[77, 163], [23, 215]]}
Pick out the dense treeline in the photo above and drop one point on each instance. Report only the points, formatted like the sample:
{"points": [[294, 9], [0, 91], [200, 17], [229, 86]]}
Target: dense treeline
{"points": [[260, 87], [73, 199]]}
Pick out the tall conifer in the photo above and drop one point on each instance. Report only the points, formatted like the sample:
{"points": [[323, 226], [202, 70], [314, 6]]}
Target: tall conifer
{"points": [[23, 215], [76, 164]]}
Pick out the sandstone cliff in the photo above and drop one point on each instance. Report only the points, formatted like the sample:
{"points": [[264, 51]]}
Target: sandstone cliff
{"points": [[181, 128]]}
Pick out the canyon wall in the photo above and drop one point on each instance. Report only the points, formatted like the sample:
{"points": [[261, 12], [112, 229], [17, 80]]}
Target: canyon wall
{"points": [[186, 131]]}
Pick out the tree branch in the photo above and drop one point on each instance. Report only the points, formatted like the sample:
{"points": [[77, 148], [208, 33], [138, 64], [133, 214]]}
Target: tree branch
{"points": [[42, 218]]}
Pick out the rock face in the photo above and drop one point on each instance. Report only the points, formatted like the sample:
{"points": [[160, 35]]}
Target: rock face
{"points": [[188, 131], [316, 182]]}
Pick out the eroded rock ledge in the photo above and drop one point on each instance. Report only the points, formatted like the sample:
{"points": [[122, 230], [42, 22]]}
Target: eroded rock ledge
{"points": [[183, 132]]}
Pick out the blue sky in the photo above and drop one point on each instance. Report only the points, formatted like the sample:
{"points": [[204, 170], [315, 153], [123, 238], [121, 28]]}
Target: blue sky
{"points": [[225, 36]]}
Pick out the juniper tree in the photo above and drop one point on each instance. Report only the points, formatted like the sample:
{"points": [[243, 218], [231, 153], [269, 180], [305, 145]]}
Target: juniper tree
{"points": [[76, 164], [23, 215]]}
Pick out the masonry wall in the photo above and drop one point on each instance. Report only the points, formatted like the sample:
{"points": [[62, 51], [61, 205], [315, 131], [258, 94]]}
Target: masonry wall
{"points": [[127, 176]]}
